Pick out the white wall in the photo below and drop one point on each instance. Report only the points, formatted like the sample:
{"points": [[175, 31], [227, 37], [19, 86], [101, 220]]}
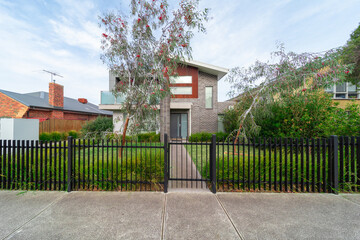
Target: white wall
{"points": [[19, 129]]}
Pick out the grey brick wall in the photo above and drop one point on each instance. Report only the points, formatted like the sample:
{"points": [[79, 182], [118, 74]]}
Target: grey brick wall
{"points": [[203, 119]]}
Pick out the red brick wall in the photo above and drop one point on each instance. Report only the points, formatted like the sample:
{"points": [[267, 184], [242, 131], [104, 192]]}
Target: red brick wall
{"points": [[56, 95], [57, 114], [46, 114], [11, 108], [76, 116], [39, 114]]}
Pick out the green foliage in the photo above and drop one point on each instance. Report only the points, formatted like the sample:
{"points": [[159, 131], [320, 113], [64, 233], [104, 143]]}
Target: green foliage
{"points": [[74, 134], [308, 114], [230, 120], [64, 135], [96, 128], [344, 122], [147, 137], [55, 136], [206, 136], [221, 136], [44, 137], [351, 55], [118, 137], [305, 114]]}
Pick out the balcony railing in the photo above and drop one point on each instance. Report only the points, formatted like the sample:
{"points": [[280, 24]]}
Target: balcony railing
{"points": [[108, 98]]}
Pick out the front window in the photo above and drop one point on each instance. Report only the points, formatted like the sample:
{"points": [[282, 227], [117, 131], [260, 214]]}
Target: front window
{"points": [[208, 97], [181, 90], [343, 91], [181, 80]]}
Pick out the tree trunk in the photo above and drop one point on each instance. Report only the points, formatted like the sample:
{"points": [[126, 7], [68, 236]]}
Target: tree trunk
{"points": [[237, 135], [124, 136]]}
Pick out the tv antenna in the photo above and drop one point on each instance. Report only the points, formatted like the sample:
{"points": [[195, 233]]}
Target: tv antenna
{"points": [[52, 75]]}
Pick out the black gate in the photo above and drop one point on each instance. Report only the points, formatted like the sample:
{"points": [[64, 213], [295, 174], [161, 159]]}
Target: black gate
{"points": [[190, 165]]}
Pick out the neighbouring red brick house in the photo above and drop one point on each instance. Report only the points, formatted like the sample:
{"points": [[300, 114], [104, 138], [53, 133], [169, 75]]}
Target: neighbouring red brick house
{"points": [[44, 106]]}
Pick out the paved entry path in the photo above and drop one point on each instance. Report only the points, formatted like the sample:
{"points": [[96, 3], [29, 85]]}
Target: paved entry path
{"points": [[178, 215], [182, 166]]}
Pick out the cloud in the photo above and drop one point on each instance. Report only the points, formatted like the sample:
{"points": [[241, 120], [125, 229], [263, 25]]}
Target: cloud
{"points": [[68, 47], [81, 37]]}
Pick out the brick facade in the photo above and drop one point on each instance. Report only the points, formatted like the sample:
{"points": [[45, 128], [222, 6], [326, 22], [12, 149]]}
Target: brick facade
{"points": [[11, 108], [202, 119], [78, 116], [55, 114], [56, 95], [41, 114]]}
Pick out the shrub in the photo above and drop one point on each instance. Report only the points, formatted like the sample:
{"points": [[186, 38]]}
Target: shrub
{"points": [[44, 137], [55, 136], [74, 134], [344, 122], [147, 137], [64, 135], [200, 137], [94, 129], [221, 136]]}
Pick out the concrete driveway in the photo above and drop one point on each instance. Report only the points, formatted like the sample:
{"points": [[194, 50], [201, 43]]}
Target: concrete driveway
{"points": [[178, 215]]}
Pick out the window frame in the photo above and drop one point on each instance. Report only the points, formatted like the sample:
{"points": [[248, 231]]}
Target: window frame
{"points": [[212, 97], [173, 80], [172, 87], [332, 90]]}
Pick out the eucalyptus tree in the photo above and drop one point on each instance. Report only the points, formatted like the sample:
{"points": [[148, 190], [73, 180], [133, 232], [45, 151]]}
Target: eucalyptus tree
{"points": [[285, 74], [145, 47]]}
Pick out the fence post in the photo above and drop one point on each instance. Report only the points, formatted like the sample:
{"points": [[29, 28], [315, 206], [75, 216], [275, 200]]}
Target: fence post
{"points": [[334, 165], [166, 174], [213, 163], [69, 170]]}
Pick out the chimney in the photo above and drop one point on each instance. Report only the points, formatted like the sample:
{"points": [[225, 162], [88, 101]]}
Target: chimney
{"points": [[83, 100], [56, 95]]}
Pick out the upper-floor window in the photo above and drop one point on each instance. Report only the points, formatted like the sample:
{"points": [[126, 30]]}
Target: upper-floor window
{"points": [[181, 79], [181, 90], [344, 91], [181, 85], [208, 97]]}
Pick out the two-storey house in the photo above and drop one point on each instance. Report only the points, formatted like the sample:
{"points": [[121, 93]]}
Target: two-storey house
{"points": [[194, 105]]}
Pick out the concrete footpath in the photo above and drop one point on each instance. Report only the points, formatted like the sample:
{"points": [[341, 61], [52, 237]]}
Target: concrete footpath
{"points": [[178, 215]]}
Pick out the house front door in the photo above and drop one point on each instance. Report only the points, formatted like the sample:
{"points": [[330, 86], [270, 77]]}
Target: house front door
{"points": [[178, 125]]}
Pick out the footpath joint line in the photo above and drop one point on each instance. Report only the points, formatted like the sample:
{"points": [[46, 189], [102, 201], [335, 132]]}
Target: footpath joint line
{"points": [[35, 216], [163, 219], [227, 214]]}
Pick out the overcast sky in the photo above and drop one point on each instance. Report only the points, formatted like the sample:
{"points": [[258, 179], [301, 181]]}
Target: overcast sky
{"points": [[63, 36]]}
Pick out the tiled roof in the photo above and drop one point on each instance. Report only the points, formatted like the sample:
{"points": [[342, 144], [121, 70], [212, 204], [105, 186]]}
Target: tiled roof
{"points": [[41, 100]]}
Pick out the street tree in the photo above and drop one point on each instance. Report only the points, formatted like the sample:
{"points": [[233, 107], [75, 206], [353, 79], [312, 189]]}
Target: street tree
{"points": [[287, 73], [145, 47]]}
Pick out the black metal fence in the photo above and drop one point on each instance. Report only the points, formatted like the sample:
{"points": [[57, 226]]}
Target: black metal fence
{"points": [[282, 165], [81, 165], [289, 165]]}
